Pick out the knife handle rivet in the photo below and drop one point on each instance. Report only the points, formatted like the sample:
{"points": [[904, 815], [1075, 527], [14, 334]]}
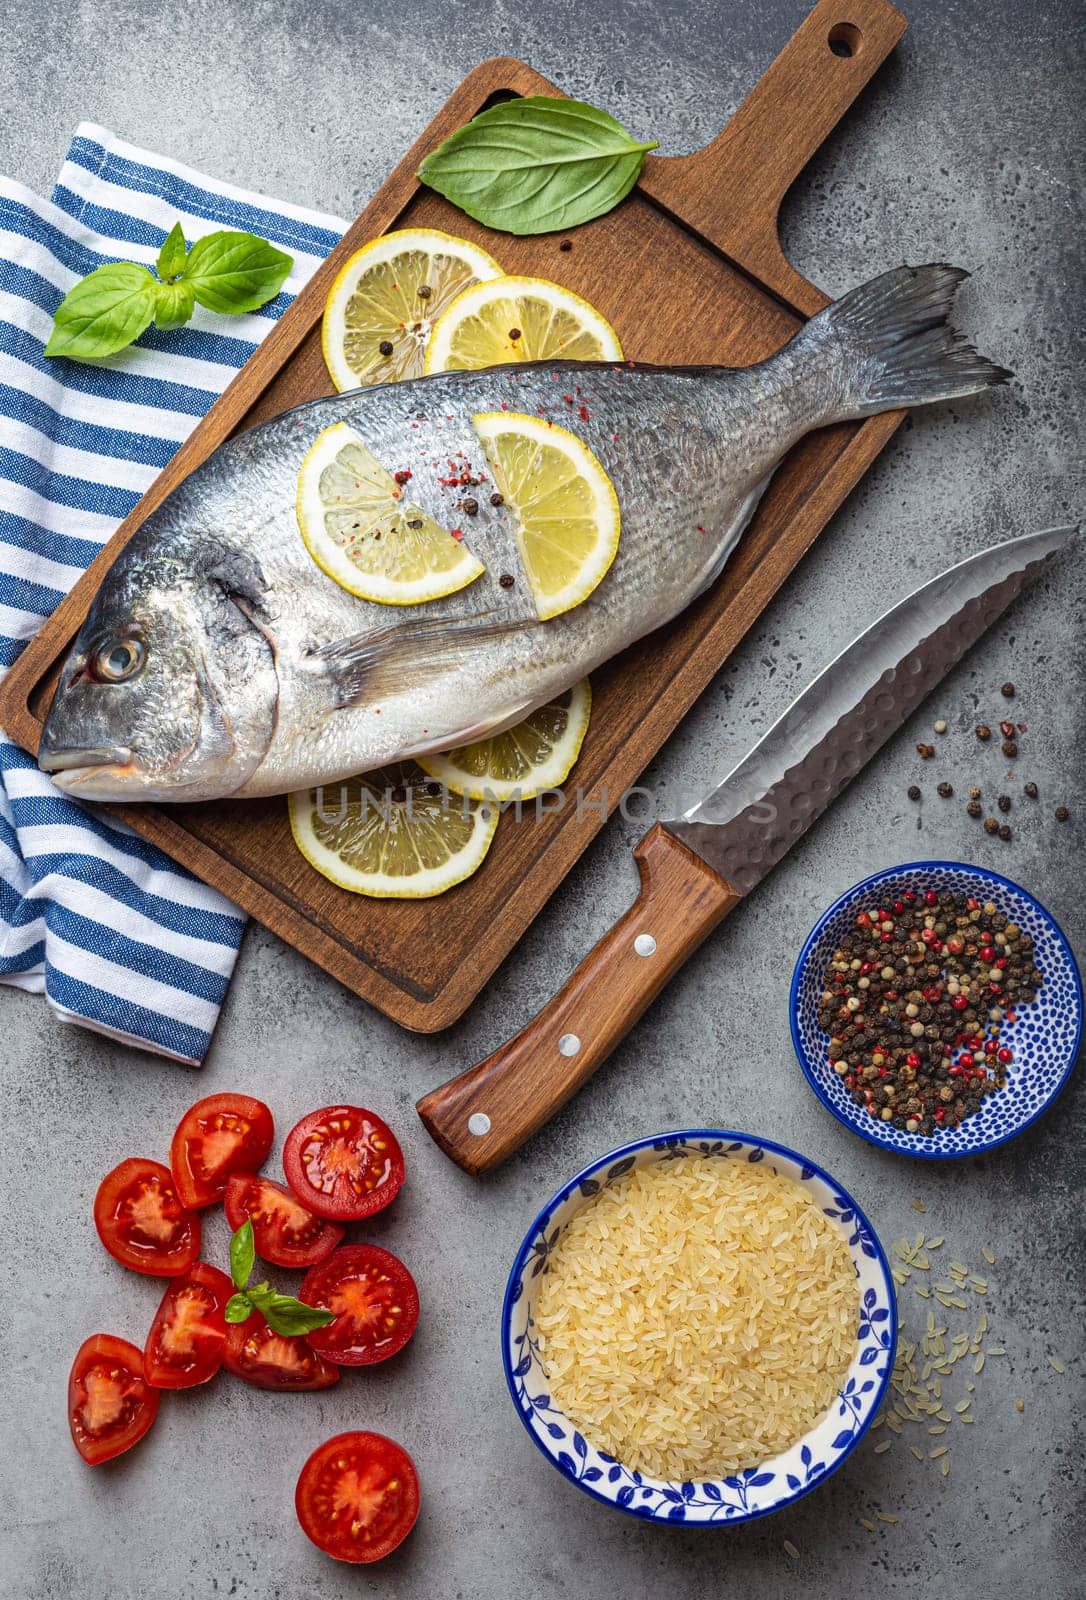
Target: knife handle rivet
{"points": [[568, 1044], [645, 944], [478, 1123]]}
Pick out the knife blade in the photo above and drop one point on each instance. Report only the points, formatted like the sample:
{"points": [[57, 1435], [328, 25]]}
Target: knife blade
{"points": [[697, 867]]}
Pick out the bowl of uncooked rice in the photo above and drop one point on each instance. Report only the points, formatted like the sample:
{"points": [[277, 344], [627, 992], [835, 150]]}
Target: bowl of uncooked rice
{"points": [[699, 1327]]}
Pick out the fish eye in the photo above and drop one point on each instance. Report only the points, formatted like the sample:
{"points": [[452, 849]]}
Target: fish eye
{"points": [[118, 660]]}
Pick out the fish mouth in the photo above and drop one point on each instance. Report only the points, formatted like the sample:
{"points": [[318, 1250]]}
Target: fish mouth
{"points": [[72, 769]]}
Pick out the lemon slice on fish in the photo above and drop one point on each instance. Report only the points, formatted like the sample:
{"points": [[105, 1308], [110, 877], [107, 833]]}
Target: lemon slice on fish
{"points": [[384, 303], [537, 754], [360, 527], [519, 319], [394, 834], [565, 506]]}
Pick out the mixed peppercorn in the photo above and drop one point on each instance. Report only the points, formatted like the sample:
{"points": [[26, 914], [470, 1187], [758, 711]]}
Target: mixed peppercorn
{"points": [[915, 1000], [1009, 733]]}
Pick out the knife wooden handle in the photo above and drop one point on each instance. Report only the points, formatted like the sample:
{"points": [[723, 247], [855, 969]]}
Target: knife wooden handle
{"points": [[485, 1114]]}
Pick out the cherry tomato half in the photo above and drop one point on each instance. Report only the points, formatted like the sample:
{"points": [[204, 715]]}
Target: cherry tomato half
{"points": [[141, 1221], [185, 1344], [343, 1163], [110, 1403], [284, 1232], [271, 1361], [358, 1496], [375, 1301], [223, 1134]]}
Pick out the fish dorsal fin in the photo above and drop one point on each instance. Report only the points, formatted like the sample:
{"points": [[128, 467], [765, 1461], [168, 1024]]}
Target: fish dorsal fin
{"points": [[407, 654]]}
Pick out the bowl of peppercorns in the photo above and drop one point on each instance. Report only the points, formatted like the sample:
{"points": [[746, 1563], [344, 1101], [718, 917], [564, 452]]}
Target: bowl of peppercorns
{"points": [[936, 1009]]}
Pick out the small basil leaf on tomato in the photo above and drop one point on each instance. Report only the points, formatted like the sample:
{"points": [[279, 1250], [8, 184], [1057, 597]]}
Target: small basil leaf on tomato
{"points": [[242, 1255], [239, 1308], [291, 1317]]}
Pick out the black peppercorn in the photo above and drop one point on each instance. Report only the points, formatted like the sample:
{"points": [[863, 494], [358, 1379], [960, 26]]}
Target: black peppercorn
{"points": [[507, 580], [1031, 790], [497, 499], [946, 790], [567, 244], [1010, 749], [385, 347], [1004, 802], [425, 291], [914, 792], [470, 507], [983, 731], [1005, 831], [974, 808], [1062, 813], [1007, 691]]}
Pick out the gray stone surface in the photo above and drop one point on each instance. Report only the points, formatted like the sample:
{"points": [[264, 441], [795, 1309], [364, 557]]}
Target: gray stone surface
{"points": [[965, 148]]}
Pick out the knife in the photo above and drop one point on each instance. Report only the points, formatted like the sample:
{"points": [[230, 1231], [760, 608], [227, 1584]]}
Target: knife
{"points": [[695, 869]]}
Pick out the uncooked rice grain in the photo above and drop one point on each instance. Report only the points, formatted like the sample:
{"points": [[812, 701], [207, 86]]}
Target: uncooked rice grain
{"points": [[697, 1316]]}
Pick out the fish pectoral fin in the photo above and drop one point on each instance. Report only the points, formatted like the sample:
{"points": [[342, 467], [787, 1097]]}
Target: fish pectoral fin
{"points": [[406, 655]]}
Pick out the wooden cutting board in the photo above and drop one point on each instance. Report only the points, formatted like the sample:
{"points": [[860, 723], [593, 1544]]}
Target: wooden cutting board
{"points": [[689, 269]]}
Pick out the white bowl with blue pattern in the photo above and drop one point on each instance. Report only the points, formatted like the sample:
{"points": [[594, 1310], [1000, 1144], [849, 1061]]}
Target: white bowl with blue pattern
{"points": [[1045, 1038], [773, 1483]]}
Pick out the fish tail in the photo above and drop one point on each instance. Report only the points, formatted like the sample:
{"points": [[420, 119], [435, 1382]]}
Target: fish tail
{"points": [[894, 347]]}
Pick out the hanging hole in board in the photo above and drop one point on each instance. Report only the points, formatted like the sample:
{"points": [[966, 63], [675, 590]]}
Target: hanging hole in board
{"points": [[844, 39]]}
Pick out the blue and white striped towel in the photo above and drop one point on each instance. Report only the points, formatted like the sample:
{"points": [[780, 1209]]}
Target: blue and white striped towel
{"points": [[119, 938]]}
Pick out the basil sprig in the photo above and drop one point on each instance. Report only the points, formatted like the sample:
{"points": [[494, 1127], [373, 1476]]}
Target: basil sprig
{"points": [[536, 165], [281, 1312], [227, 271]]}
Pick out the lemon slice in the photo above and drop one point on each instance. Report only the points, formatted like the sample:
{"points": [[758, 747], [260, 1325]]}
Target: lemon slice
{"points": [[362, 531], [566, 509], [537, 754], [393, 834], [391, 292], [519, 319]]}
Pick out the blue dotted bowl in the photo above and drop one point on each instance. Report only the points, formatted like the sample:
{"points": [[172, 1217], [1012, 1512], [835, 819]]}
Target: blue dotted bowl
{"points": [[775, 1482], [1045, 1038]]}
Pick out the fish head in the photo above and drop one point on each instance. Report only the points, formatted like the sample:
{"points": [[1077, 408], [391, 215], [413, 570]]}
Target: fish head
{"points": [[170, 691]]}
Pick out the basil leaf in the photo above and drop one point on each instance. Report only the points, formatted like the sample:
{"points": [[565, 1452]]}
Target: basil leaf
{"points": [[174, 304], [239, 1308], [235, 272], [288, 1316], [536, 165], [171, 258], [105, 311], [242, 1254]]}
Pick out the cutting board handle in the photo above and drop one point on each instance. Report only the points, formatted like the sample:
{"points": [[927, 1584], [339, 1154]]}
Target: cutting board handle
{"points": [[732, 189]]}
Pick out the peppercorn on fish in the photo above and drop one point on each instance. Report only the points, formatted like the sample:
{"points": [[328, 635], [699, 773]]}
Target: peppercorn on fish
{"points": [[219, 660]]}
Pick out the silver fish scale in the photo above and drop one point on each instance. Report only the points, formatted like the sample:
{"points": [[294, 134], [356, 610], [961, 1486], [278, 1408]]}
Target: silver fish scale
{"points": [[744, 827]]}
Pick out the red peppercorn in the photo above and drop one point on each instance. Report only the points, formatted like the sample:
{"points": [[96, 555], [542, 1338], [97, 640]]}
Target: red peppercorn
{"points": [[987, 954], [959, 1001], [966, 1060], [1010, 1016], [864, 920], [912, 1059], [976, 1042], [934, 994], [910, 894], [931, 898], [1005, 1055], [1000, 962], [956, 1072], [939, 1114], [899, 907], [972, 903]]}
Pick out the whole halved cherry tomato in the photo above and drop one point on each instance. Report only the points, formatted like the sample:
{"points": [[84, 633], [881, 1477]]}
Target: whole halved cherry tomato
{"points": [[375, 1301], [284, 1232], [271, 1361], [110, 1403], [358, 1496], [141, 1221], [343, 1163], [185, 1344], [223, 1134]]}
